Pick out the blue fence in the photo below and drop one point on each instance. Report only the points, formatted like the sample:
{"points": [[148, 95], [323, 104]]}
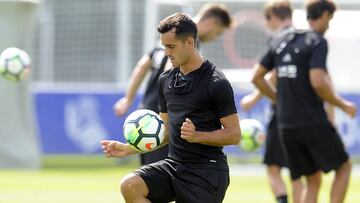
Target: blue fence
{"points": [[76, 122]]}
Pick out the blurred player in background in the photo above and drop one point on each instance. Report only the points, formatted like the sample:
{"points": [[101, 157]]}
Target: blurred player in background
{"points": [[211, 21], [196, 103], [278, 16], [312, 143]]}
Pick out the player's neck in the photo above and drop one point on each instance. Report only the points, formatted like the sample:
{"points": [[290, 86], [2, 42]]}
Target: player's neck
{"points": [[194, 63], [285, 24]]}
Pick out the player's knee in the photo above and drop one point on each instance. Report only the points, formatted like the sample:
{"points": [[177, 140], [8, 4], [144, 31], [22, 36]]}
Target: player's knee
{"points": [[345, 167], [132, 185], [273, 170], [314, 180]]}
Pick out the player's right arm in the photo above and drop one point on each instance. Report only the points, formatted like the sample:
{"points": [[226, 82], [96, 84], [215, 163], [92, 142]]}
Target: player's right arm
{"points": [[117, 149], [251, 99], [259, 81], [137, 76]]}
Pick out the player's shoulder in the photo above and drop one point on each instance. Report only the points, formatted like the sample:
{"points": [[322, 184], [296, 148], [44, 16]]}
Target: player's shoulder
{"points": [[303, 37], [312, 38], [217, 77], [284, 35]]}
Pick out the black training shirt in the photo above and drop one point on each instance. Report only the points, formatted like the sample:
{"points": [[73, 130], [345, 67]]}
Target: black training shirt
{"points": [[158, 63], [294, 53], [204, 96]]}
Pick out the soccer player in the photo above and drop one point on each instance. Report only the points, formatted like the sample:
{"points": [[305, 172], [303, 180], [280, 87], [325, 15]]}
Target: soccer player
{"points": [[278, 16], [198, 109], [312, 143], [211, 21]]}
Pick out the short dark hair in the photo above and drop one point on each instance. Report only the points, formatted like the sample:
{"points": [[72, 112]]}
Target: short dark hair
{"points": [[280, 8], [316, 8], [216, 10], [184, 25]]}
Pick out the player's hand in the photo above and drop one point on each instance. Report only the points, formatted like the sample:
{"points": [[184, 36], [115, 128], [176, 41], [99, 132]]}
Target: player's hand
{"points": [[350, 108], [121, 106], [114, 148], [188, 131], [247, 102]]}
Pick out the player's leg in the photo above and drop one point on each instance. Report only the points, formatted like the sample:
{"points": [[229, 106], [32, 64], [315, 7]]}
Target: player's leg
{"points": [[277, 183], [300, 161], [150, 183], [274, 159], [313, 187], [329, 154], [340, 183], [200, 185], [134, 189], [298, 190]]}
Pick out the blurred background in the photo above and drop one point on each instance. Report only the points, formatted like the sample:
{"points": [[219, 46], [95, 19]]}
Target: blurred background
{"points": [[83, 52]]}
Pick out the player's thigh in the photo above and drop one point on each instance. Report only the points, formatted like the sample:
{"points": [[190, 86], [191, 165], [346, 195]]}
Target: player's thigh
{"points": [[300, 161], [327, 148], [201, 185], [274, 149], [158, 178]]}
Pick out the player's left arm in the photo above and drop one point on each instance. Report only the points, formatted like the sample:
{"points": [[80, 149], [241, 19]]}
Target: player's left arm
{"points": [[318, 79], [321, 83], [329, 108], [228, 135], [222, 97]]}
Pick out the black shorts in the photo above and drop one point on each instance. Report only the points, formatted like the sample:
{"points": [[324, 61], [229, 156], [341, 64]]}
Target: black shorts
{"points": [[169, 180], [274, 147], [314, 148], [155, 156]]}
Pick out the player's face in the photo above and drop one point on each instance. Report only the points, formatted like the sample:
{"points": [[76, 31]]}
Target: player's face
{"points": [[177, 50], [322, 24], [212, 29], [271, 22]]}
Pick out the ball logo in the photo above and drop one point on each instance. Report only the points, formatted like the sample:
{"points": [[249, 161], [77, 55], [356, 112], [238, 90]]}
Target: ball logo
{"points": [[148, 145]]}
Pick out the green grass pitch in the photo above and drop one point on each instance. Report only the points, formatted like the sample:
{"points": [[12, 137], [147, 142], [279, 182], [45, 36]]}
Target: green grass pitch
{"points": [[99, 182]]}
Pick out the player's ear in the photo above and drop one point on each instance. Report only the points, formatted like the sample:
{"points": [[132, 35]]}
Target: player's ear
{"points": [[190, 42]]}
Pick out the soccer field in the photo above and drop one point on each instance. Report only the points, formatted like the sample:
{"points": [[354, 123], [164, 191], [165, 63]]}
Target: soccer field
{"points": [[74, 184]]}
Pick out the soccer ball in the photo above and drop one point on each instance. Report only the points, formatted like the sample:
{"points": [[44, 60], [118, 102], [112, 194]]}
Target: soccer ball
{"points": [[14, 64], [252, 135], [144, 130]]}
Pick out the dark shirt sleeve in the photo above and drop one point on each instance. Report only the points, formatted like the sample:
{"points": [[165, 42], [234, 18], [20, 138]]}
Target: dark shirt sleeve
{"points": [[318, 55], [222, 95], [162, 103], [267, 60], [151, 53]]}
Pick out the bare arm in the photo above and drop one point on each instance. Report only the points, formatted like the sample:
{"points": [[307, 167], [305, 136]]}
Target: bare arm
{"points": [[322, 86], [118, 149], [251, 99], [165, 118], [260, 82], [142, 67], [329, 108], [228, 135], [248, 101]]}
